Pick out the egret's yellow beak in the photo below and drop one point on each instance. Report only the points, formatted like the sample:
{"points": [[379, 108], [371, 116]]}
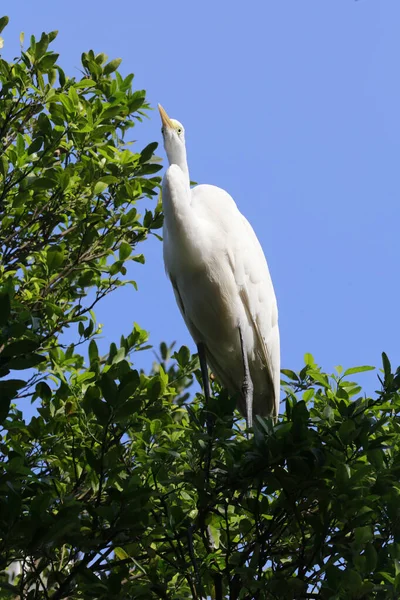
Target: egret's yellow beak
{"points": [[166, 121]]}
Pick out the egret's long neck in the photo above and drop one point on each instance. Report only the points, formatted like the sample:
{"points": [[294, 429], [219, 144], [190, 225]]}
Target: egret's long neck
{"points": [[178, 213], [176, 154]]}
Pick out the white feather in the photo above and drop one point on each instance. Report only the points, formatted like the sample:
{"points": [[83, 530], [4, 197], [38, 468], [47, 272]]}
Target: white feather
{"points": [[221, 282]]}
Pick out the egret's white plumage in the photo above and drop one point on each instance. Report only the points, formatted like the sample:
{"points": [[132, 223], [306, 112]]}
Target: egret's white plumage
{"points": [[221, 280]]}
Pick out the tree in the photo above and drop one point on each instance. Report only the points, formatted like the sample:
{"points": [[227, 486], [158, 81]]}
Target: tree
{"points": [[114, 489]]}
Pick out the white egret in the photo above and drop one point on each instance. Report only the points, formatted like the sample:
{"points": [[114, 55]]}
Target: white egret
{"points": [[221, 282]]}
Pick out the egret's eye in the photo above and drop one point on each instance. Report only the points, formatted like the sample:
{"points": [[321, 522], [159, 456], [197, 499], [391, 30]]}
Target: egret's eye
{"points": [[179, 130]]}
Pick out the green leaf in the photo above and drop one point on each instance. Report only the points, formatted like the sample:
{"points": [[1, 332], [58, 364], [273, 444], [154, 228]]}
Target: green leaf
{"points": [[41, 46], [319, 378], [362, 535], [32, 47], [346, 431], [155, 426], [54, 258], [43, 390], [139, 258], [163, 351], [355, 370], [343, 474], [35, 145], [23, 346], [85, 83], [5, 308], [112, 66], [150, 169], [119, 355], [328, 413], [20, 145], [352, 580], [74, 96], [109, 388], [100, 187], [93, 352], [148, 152], [128, 386], [25, 362], [309, 360], [124, 250], [110, 113], [371, 557], [43, 183], [51, 36], [92, 461], [308, 395], [101, 410], [290, 374], [182, 356], [47, 62], [387, 368], [4, 166], [120, 553], [61, 76], [44, 124], [3, 22], [215, 535], [4, 407], [10, 387], [116, 267]]}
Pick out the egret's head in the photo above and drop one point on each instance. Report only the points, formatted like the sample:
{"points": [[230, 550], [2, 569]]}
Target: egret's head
{"points": [[174, 137]]}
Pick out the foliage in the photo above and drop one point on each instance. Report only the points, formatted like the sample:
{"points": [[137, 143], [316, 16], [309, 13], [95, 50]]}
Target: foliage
{"points": [[68, 201], [114, 489]]}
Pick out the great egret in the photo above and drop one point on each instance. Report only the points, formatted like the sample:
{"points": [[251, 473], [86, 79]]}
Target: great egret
{"points": [[221, 282]]}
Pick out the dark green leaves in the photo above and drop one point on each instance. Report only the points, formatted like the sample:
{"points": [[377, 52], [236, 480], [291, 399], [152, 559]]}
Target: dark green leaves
{"points": [[182, 356], [9, 387], [54, 258], [43, 391], [128, 386], [93, 353], [387, 369], [3, 23], [70, 185], [35, 145], [109, 388], [5, 307], [8, 391], [148, 152], [23, 346], [20, 363], [47, 62]]}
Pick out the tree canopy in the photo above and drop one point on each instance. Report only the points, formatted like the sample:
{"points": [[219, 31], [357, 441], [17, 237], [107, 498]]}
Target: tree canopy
{"points": [[114, 489]]}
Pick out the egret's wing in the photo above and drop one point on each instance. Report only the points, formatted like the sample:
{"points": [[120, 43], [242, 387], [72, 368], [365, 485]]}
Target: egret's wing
{"points": [[217, 366], [269, 354], [258, 297], [194, 332], [239, 244]]}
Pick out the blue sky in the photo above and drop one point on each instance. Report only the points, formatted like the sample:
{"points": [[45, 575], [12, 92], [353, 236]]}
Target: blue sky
{"points": [[293, 108]]}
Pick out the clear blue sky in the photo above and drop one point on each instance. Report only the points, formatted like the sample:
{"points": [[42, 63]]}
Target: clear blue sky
{"points": [[293, 107]]}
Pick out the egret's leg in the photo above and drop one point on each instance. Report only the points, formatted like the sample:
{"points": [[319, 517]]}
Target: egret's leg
{"points": [[206, 384], [247, 386]]}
